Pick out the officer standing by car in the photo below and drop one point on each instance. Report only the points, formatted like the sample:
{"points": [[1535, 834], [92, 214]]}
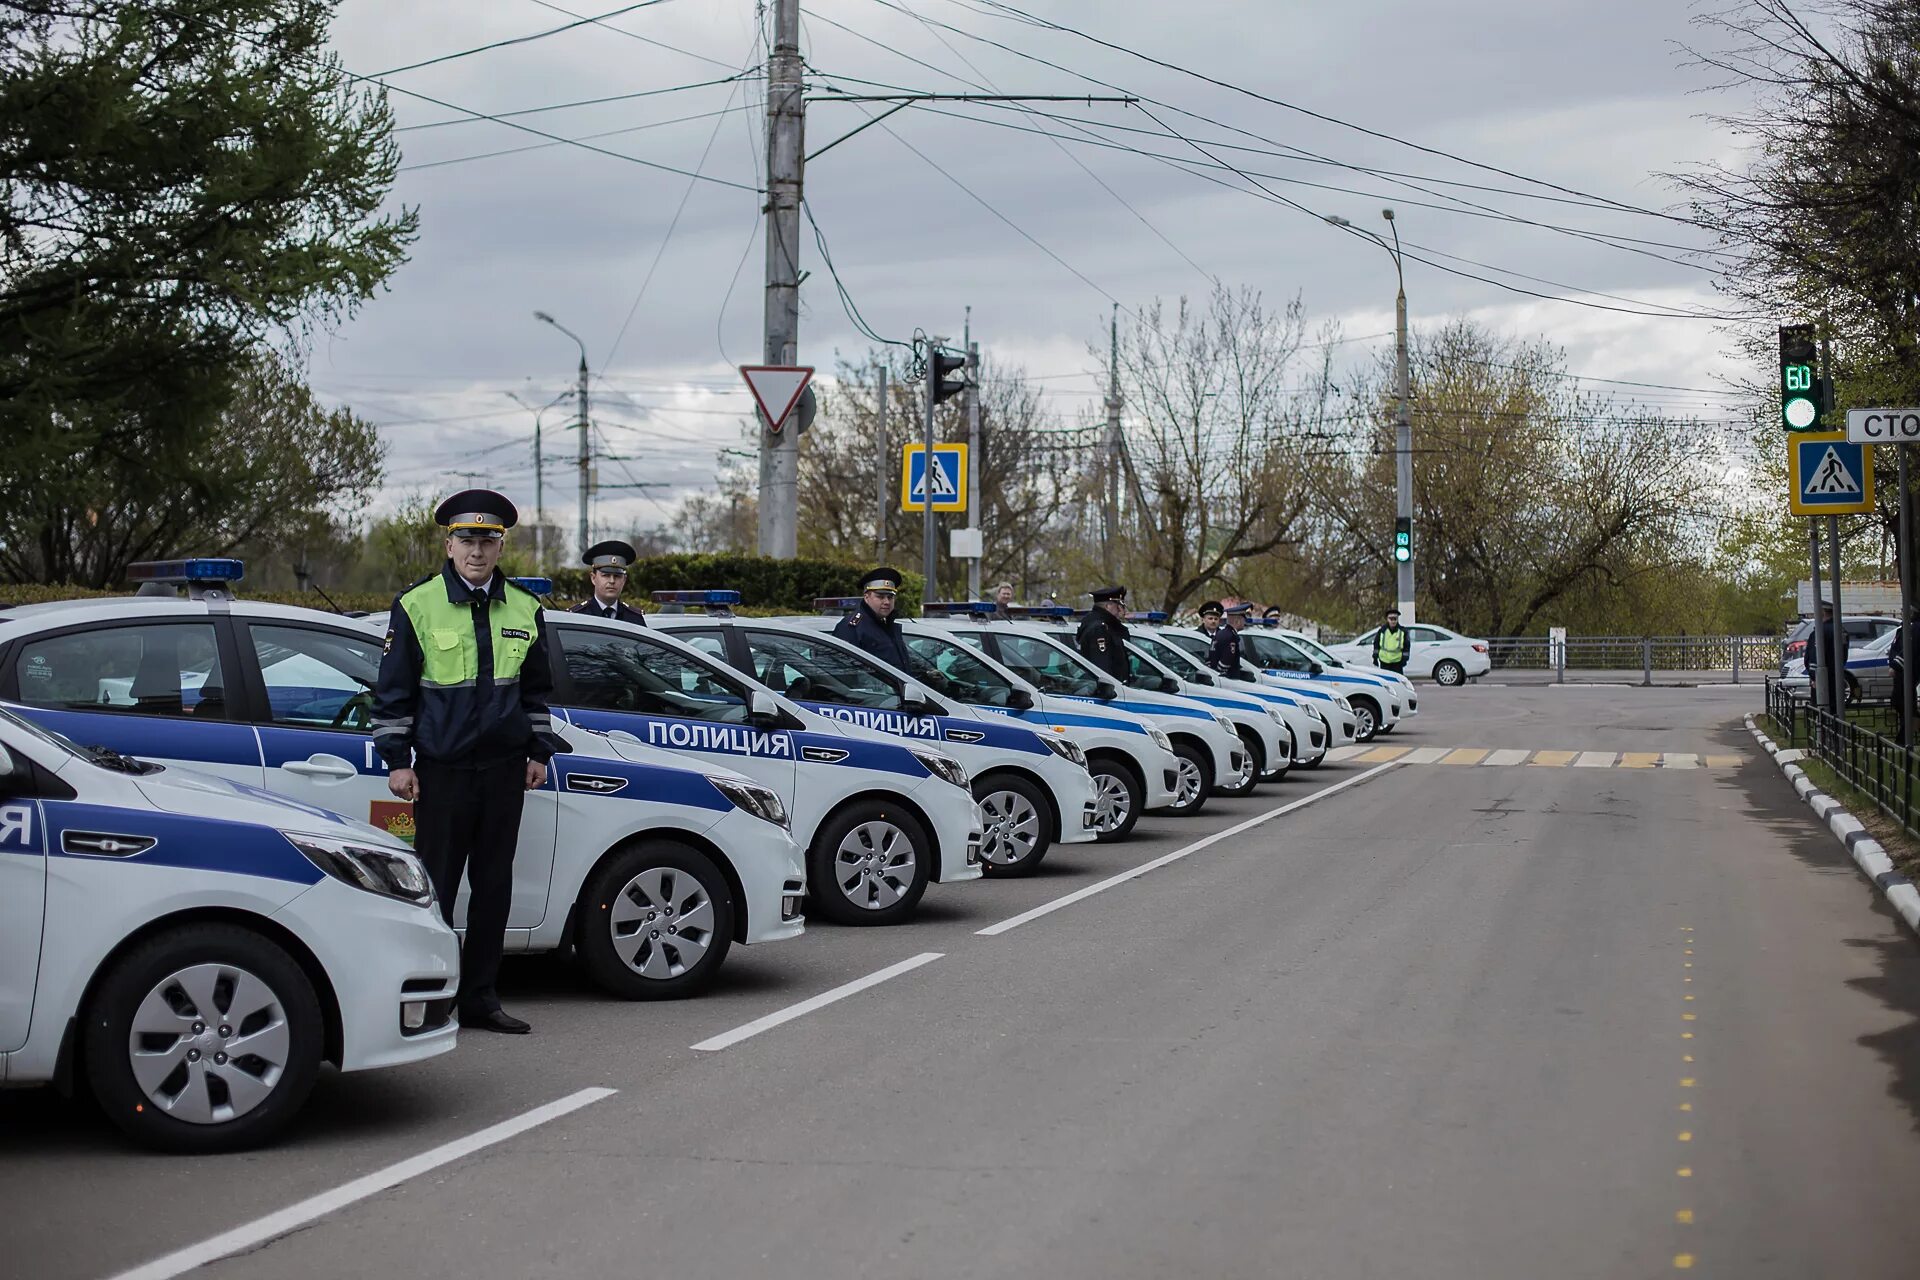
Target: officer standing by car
{"points": [[1826, 647], [1102, 638], [609, 562], [1391, 644], [871, 624], [1223, 650], [460, 717]]}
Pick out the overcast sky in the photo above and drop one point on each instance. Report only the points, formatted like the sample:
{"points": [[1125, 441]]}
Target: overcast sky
{"points": [[1593, 97]]}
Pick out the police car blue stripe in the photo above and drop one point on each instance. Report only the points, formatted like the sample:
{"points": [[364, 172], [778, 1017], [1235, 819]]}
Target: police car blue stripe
{"points": [[199, 844], [644, 782], [157, 737], [1068, 718], [1149, 708]]}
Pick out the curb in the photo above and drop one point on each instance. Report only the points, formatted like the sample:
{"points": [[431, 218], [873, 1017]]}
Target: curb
{"points": [[1867, 853]]}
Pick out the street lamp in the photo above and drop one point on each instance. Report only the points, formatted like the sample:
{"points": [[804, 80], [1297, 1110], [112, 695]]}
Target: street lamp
{"points": [[539, 475], [1403, 426], [586, 440]]}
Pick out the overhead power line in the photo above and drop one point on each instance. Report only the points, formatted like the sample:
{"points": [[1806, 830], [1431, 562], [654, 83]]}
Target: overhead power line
{"points": [[568, 106], [631, 35], [516, 40]]}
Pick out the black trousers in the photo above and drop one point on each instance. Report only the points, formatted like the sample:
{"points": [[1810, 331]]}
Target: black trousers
{"points": [[469, 820]]}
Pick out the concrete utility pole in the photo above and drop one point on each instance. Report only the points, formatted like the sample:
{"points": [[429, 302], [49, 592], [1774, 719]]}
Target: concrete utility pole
{"points": [[786, 159], [539, 476], [973, 449], [586, 434], [1110, 500], [929, 563], [883, 469]]}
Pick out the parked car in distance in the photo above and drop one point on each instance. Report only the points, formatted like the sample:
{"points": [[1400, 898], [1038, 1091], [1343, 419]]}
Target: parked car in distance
{"points": [[1433, 653], [1861, 629]]}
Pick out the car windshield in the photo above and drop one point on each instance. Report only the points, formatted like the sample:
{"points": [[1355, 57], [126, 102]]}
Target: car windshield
{"points": [[957, 671], [1048, 666], [1176, 659], [1274, 651], [28, 727], [1313, 647]]}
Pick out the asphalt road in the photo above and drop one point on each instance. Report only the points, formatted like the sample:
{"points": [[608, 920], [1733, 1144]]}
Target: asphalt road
{"points": [[1452, 1019]]}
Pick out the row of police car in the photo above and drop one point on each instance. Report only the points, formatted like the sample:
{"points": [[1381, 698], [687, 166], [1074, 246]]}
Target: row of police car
{"points": [[207, 891]]}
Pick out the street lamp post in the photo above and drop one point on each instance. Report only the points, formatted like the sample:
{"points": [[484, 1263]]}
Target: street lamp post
{"points": [[1403, 425], [586, 439], [539, 476]]}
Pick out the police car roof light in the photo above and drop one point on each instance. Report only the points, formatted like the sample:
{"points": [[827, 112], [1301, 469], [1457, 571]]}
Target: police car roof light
{"points": [[204, 569], [1154, 615], [710, 597], [957, 606], [835, 604], [539, 586], [1041, 611]]}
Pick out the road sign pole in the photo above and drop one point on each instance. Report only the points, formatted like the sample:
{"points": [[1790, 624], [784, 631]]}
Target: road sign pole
{"points": [[1816, 644], [927, 535], [880, 467], [973, 461], [1839, 663], [1903, 556]]}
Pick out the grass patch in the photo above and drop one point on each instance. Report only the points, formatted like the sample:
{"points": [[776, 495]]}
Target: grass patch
{"points": [[1901, 847]]}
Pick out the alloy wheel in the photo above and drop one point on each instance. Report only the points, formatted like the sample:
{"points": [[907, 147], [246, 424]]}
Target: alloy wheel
{"points": [[662, 923], [1012, 827], [209, 1043], [874, 865]]}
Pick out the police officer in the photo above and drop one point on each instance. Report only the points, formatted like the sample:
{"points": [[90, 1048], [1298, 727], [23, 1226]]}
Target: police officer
{"points": [[871, 624], [460, 717], [1223, 651], [1002, 603], [609, 561], [1391, 643], [1102, 638]]}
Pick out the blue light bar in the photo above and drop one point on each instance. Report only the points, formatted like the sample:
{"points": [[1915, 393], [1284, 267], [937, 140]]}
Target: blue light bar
{"points": [[712, 598], [1042, 610], [1152, 615], [539, 586], [957, 606], [183, 571], [835, 604]]}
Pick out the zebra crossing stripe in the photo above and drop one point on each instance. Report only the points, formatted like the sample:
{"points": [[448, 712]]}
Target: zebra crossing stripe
{"points": [[1426, 755], [1509, 756], [1464, 755], [1483, 757], [1553, 759], [1594, 760], [1679, 760], [1353, 749], [1639, 759]]}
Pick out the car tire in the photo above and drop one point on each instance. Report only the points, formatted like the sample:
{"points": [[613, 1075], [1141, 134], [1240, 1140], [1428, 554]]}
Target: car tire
{"points": [[1118, 796], [175, 1088], [1019, 823], [1449, 673], [1366, 715], [1256, 755], [1196, 781], [655, 921], [869, 865]]}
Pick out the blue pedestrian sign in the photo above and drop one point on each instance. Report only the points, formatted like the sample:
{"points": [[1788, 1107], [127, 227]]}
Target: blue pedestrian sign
{"points": [[1829, 475], [949, 477]]}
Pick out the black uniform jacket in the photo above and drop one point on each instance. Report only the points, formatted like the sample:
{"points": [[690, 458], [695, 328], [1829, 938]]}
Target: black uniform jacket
{"points": [[472, 725], [1223, 651], [622, 613], [1103, 641], [878, 636]]}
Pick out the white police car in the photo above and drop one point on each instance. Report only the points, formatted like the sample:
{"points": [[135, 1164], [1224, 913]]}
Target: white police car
{"points": [[1400, 688], [1264, 736], [1307, 730], [1327, 703], [1209, 749], [1129, 759], [1032, 784], [278, 697], [878, 818], [193, 950], [1375, 704]]}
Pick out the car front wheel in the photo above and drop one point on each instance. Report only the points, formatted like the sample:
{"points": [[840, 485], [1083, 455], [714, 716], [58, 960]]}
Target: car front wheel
{"points": [[1195, 776], [1018, 824], [869, 865], [203, 1038], [656, 922], [1449, 673], [1366, 718]]}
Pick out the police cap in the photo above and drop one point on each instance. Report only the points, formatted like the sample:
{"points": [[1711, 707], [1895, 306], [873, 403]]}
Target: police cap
{"points": [[1242, 608], [1103, 594], [1211, 608], [476, 513], [885, 579], [614, 556]]}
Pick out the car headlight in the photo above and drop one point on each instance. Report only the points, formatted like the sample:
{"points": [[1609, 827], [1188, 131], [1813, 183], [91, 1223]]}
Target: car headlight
{"points": [[945, 768], [750, 797], [1160, 739], [391, 873], [1066, 747], [1225, 723], [1343, 704], [1273, 714]]}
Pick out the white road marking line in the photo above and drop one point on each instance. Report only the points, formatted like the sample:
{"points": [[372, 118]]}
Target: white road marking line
{"points": [[750, 1029], [295, 1216], [1594, 760], [1424, 755], [1509, 756], [1048, 908], [1679, 760], [1349, 751]]}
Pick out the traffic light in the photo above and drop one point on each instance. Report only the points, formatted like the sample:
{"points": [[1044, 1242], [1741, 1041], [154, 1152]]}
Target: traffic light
{"points": [[1403, 539], [1800, 388], [939, 365]]}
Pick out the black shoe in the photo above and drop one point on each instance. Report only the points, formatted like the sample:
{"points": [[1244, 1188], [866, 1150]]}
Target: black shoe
{"points": [[495, 1019]]}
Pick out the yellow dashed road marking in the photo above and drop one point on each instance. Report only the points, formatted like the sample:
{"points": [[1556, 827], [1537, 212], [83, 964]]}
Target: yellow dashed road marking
{"points": [[1723, 762], [1464, 755], [1639, 759], [1552, 759], [1683, 1261], [1684, 1171], [1684, 1217]]}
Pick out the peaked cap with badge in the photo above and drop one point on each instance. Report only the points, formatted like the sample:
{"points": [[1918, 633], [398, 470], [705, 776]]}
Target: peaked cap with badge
{"points": [[612, 556]]}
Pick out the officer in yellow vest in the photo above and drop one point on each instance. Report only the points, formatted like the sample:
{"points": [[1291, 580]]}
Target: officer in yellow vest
{"points": [[460, 716], [1390, 644]]}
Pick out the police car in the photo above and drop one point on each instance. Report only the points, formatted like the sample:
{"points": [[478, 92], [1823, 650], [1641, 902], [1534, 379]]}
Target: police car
{"points": [[879, 818], [1205, 741], [1375, 703], [192, 949], [278, 697], [1130, 761], [1306, 729], [1263, 732], [1400, 688], [1343, 725], [1032, 784]]}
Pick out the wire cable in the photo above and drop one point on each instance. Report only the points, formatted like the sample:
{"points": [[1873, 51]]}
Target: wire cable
{"points": [[568, 106], [584, 137], [631, 35], [517, 40]]}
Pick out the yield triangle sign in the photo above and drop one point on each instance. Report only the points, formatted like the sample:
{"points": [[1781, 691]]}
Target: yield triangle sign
{"points": [[1830, 476], [776, 388]]}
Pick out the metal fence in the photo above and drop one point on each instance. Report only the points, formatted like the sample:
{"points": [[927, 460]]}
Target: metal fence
{"points": [[1732, 658], [1860, 747]]}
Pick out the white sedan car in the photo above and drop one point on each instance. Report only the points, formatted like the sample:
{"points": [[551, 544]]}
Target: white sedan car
{"points": [[1443, 656]]}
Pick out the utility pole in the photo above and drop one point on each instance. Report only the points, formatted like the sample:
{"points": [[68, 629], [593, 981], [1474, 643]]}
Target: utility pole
{"points": [[1403, 428], [973, 451], [1110, 500], [882, 469], [539, 474], [583, 424], [786, 159]]}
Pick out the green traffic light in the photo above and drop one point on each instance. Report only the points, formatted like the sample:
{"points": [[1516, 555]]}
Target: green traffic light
{"points": [[1403, 554], [1800, 413]]}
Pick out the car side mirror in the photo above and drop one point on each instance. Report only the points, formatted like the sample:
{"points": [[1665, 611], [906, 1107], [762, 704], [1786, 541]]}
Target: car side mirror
{"points": [[1106, 691], [1204, 677], [1315, 668], [914, 699], [1169, 685], [763, 708], [1020, 700]]}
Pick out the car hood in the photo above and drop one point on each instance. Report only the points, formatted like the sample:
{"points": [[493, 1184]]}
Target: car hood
{"points": [[193, 794]]}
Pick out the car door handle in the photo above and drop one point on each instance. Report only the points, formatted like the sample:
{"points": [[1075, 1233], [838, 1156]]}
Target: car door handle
{"points": [[321, 767]]}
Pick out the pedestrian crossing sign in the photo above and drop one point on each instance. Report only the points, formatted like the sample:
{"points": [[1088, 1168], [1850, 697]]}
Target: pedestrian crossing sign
{"points": [[949, 477], [1829, 475]]}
